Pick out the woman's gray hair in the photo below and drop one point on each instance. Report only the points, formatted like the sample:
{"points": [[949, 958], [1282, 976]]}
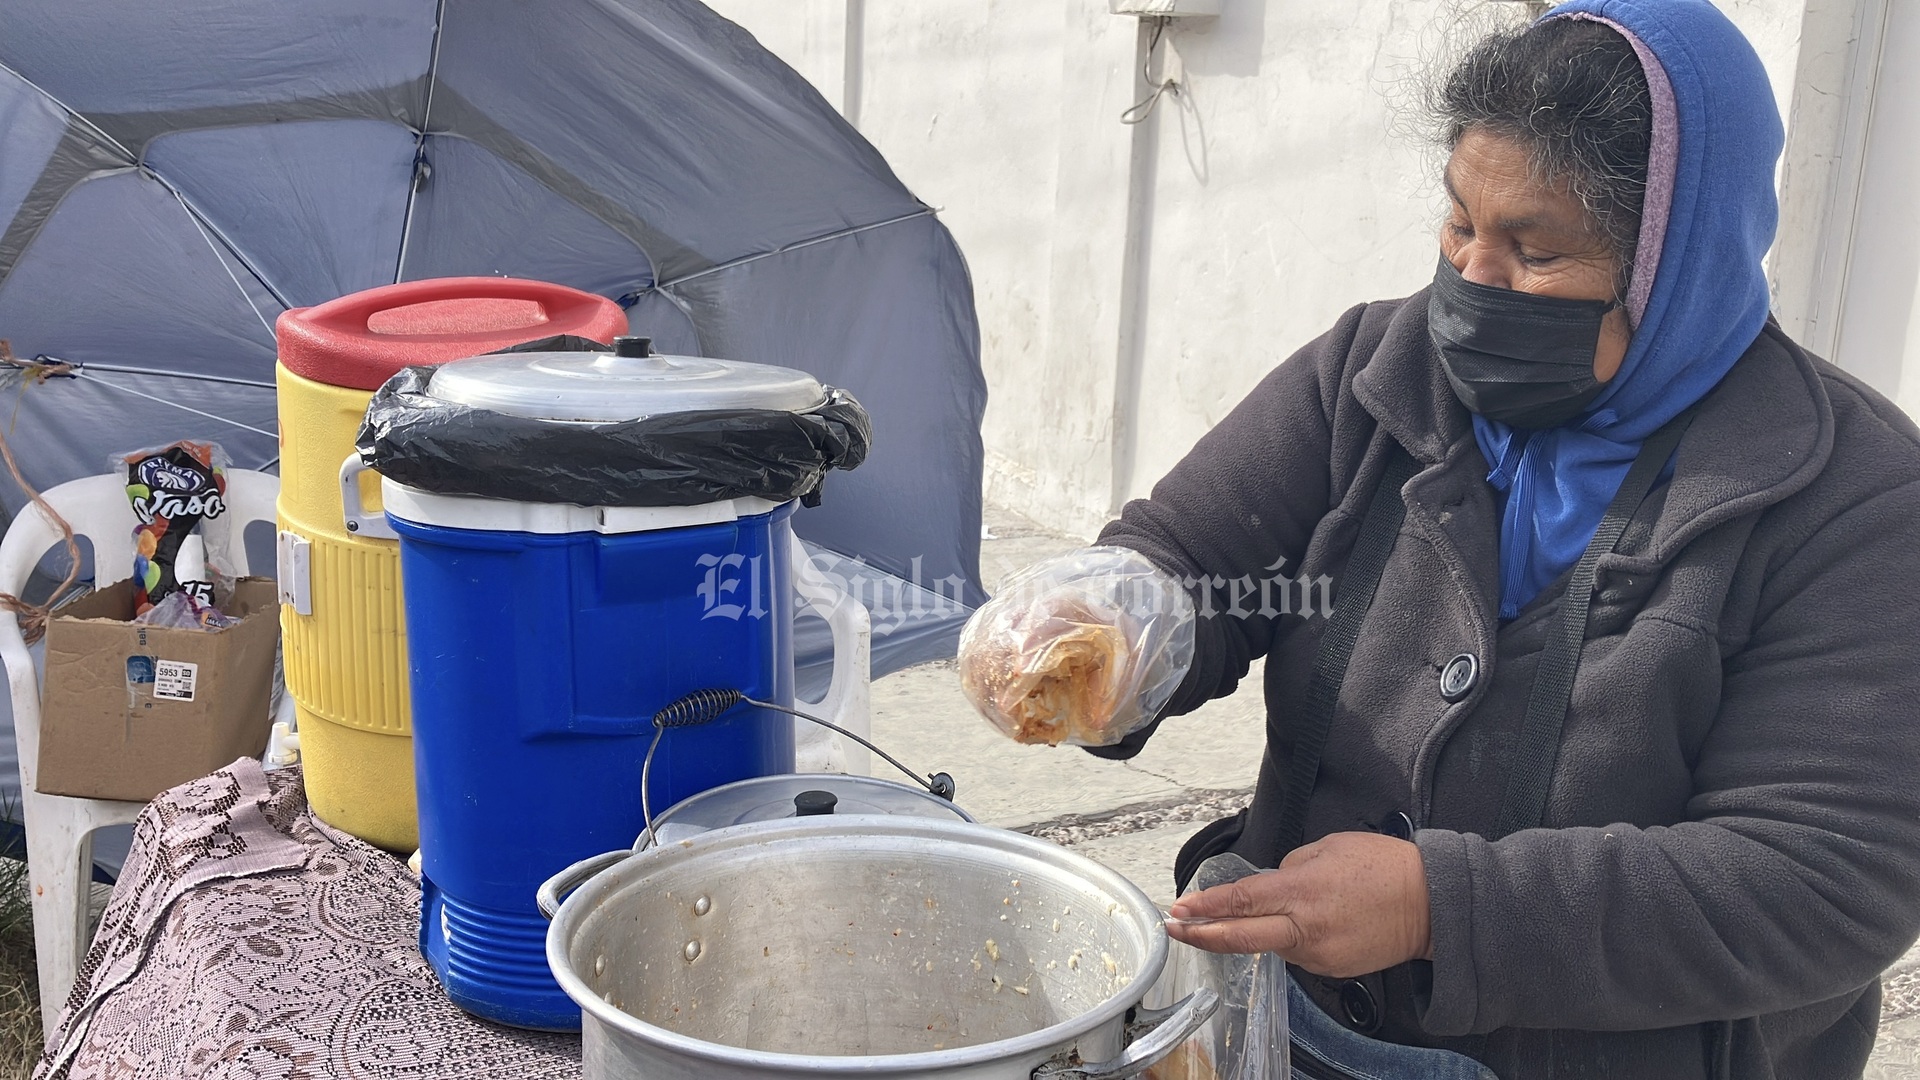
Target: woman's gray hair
{"points": [[1573, 94]]}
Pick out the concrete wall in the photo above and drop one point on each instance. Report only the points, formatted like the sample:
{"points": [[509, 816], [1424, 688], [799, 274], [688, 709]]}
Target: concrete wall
{"points": [[1878, 333], [1134, 281]]}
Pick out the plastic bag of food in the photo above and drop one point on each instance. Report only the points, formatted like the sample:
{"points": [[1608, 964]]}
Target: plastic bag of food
{"points": [[1083, 648], [173, 489], [182, 610], [1247, 1037]]}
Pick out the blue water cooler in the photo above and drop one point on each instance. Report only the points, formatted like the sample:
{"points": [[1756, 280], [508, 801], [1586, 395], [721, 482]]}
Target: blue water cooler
{"points": [[543, 638]]}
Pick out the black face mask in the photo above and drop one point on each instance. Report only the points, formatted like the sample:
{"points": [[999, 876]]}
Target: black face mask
{"points": [[1515, 357]]}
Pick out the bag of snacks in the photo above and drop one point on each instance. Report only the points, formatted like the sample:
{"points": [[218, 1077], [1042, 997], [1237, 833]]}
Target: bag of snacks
{"points": [[173, 489]]}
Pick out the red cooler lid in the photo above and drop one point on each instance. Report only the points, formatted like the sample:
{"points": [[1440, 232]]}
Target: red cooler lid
{"points": [[360, 340]]}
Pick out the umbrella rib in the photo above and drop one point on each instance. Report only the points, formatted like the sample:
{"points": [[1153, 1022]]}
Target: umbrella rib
{"points": [[208, 230], [77, 115], [153, 373], [207, 226], [925, 211], [134, 160], [174, 404], [420, 142]]}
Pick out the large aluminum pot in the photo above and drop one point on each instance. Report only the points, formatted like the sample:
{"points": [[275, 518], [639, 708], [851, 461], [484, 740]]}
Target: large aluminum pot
{"points": [[863, 945]]}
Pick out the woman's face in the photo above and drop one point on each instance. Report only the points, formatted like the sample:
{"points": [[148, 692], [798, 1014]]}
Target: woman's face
{"points": [[1509, 231]]}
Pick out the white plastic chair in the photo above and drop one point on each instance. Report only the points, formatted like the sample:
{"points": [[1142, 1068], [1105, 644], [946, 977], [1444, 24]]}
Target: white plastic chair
{"points": [[60, 828]]}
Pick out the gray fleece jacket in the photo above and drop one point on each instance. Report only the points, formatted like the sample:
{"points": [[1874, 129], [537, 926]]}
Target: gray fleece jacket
{"points": [[1732, 850]]}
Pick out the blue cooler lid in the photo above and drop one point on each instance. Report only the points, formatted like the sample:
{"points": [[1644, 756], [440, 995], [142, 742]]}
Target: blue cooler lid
{"points": [[630, 383]]}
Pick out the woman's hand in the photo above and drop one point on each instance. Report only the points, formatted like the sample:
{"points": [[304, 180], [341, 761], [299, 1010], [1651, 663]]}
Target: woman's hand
{"points": [[1343, 906]]}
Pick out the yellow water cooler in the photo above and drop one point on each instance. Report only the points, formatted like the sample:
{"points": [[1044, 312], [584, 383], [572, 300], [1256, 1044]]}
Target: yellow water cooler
{"points": [[341, 618]]}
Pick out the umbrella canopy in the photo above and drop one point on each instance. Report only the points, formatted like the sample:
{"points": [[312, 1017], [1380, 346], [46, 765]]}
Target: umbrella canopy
{"points": [[173, 176]]}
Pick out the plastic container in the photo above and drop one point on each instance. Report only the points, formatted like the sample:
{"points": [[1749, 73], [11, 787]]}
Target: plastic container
{"points": [[545, 637], [345, 645], [575, 386]]}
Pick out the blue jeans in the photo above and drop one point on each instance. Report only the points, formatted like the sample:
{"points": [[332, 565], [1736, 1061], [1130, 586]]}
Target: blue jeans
{"points": [[1333, 1052]]}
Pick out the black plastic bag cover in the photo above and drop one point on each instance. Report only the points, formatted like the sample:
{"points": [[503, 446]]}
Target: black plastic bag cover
{"points": [[677, 459]]}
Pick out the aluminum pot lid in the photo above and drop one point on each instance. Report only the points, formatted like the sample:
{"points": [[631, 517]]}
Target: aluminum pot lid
{"points": [[768, 798], [630, 383]]}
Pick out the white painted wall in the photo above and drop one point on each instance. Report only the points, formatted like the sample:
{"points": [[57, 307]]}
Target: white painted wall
{"points": [[1134, 282], [1878, 336]]}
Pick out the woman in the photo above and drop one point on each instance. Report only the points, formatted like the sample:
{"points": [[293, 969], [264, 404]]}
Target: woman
{"points": [[1621, 774]]}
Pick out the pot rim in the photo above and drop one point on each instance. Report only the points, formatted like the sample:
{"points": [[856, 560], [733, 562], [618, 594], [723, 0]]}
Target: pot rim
{"points": [[1043, 1042]]}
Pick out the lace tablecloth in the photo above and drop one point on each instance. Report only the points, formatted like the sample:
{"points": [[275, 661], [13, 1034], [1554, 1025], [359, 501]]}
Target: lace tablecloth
{"points": [[247, 939]]}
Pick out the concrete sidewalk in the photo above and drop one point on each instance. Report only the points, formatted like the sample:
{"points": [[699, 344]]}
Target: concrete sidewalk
{"points": [[1134, 815]]}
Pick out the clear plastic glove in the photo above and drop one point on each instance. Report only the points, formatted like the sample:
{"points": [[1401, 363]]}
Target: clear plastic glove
{"points": [[1083, 648]]}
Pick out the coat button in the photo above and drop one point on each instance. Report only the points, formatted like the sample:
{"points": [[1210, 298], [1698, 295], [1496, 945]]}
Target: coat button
{"points": [[1458, 677], [1397, 825], [1357, 1001]]}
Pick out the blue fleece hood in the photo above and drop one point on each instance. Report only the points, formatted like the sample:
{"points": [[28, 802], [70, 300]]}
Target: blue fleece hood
{"points": [[1699, 295]]}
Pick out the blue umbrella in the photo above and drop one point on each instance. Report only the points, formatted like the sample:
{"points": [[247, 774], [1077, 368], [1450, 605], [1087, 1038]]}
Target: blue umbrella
{"points": [[173, 176]]}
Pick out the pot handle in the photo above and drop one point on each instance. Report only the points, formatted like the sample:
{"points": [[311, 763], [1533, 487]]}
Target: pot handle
{"points": [[555, 889], [1168, 1029]]}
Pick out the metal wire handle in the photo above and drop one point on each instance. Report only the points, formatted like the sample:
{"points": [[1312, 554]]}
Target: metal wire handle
{"points": [[706, 706]]}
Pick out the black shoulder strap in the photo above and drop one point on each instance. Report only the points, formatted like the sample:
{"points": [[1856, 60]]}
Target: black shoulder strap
{"points": [[1525, 803], [1356, 588]]}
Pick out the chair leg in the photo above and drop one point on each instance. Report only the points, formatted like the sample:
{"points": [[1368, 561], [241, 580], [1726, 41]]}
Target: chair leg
{"points": [[58, 850]]}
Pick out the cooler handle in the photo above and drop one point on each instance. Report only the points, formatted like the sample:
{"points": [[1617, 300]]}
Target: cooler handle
{"points": [[849, 692], [354, 509]]}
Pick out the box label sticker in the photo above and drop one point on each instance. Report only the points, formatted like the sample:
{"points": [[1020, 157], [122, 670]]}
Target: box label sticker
{"points": [[174, 680]]}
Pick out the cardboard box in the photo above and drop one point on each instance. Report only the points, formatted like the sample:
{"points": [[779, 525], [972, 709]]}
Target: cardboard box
{"points": [[130, 711]]}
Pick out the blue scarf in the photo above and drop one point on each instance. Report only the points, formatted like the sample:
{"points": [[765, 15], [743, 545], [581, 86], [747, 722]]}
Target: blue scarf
{"points": [[1702, 303]]}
